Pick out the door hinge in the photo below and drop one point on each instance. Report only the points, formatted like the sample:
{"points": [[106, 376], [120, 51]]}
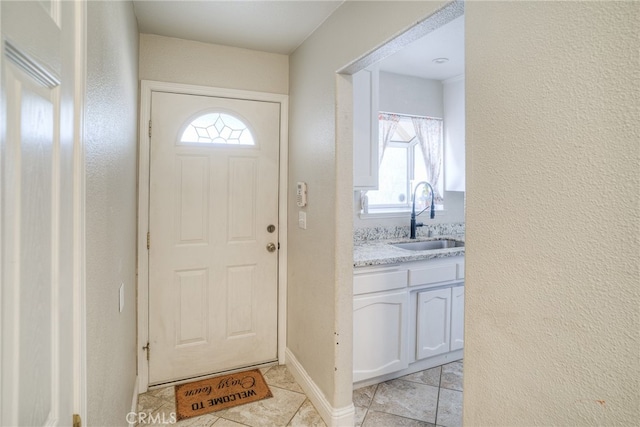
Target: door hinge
{"points": [[148, 240], [77, 421], [149, 128], [147, 349]]}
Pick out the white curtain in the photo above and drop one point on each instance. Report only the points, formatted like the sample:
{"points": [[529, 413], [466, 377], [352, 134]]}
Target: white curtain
{"points": [[429, 134], [388, 124]]}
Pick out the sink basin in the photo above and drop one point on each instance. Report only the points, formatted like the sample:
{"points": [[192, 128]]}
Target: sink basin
{"points": [[429, 245]]}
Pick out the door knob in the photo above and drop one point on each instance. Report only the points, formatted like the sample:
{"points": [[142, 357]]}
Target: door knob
{"points": [[271, 247]]}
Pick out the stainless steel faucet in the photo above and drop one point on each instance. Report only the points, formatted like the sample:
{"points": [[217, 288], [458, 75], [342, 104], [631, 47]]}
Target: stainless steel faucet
{"points": [[414, 225]]}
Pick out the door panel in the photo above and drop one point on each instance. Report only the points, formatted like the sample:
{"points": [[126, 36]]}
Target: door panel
{"points": [[212, 282], [192, 213], [191, 288], [37, 218], [242, 195], [36, 279]]}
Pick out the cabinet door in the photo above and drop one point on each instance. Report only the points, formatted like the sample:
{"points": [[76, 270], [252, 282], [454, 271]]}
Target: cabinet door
{"points": [[454, 134], [365, 130], [457, 318], [434, 323], [380, 334]]}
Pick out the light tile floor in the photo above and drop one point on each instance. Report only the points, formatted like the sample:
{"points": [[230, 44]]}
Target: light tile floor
{"points": [[427, 398]]}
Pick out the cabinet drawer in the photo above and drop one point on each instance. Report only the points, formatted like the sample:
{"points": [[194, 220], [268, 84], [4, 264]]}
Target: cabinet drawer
{"points": [[379, 281], [435, 274]]}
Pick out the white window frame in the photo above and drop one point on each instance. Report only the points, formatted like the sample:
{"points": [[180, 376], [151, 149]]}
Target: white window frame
{"points": [[401, 209]]}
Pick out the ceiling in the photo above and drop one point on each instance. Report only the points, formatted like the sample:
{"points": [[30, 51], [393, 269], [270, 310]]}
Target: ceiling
{"points": [[416, 59], [281, 26], [268, 26]]}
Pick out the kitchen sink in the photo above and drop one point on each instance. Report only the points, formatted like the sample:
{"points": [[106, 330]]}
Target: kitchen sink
{"points": [[429, 245]]}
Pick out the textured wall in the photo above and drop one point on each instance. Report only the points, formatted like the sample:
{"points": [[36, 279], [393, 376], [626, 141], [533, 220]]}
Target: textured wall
{"points": [[174, 60], [553, 239], [320, 257], [111, 159]]}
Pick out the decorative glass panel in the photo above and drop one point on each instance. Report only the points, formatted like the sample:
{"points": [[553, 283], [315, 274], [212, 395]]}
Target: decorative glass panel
{"points": [[218, 128]]}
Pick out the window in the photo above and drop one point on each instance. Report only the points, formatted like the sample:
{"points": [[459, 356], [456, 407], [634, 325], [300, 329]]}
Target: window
{"points": [[218, 128], [410, 151]]}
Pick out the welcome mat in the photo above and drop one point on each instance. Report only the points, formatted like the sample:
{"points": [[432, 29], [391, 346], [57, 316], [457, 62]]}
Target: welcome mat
{"points": [[214, 394]]}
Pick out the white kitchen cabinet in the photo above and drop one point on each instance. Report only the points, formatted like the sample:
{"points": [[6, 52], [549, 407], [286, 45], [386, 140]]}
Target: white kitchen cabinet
{"points": [[407, 317], [433, 323], [440, 321], [454, 134], [380, 334], [457, 318], [365, 129]]}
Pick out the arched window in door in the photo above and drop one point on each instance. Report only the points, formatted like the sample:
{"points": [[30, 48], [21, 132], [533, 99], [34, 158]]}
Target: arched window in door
{"points": [[217, 128]]}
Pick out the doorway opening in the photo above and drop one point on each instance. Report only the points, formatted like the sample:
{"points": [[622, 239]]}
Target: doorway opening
{"points": [[452, 14]]}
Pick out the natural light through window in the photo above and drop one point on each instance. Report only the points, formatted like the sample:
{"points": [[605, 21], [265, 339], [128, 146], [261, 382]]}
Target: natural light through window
{"points": [[218, 128], [410, 151]]}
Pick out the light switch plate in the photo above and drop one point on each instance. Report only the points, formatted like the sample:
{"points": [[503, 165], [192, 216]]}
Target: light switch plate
{"points": [[302, 220], [121, 297]]}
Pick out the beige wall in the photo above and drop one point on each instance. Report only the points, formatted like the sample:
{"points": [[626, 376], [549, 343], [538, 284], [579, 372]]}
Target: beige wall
{"points": [[174, 60], [111, 159], [320, 257], [553, 179]]}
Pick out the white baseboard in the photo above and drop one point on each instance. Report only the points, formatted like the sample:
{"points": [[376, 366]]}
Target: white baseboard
{"points": [[333, 417], [134, 403]]}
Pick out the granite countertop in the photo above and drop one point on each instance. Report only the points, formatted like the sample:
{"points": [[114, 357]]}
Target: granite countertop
{"points": [[381, 252]]}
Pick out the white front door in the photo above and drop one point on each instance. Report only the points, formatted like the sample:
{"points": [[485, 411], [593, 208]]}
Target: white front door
{"points": [[37, 216], [213, 212]]}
